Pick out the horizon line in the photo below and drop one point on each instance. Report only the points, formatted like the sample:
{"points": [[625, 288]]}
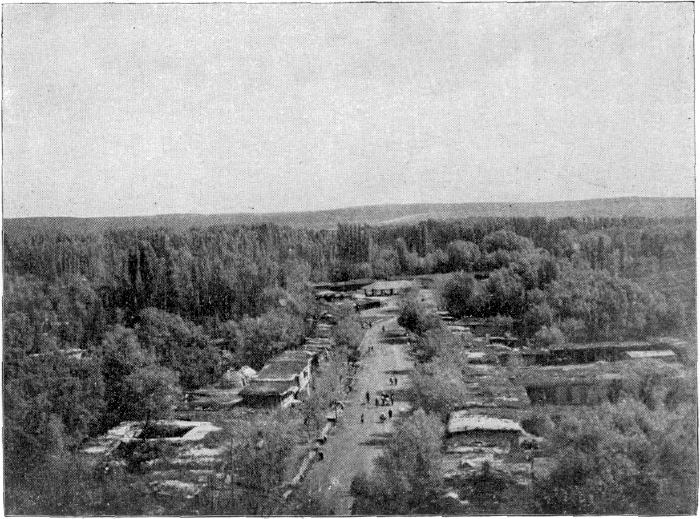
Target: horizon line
{"points": [[351, 207]]}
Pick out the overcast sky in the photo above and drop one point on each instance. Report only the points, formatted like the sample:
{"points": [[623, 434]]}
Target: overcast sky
{"points": [[138, 109]]}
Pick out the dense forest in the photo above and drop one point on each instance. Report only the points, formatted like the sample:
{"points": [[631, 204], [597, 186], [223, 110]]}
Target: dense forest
{"points": [[159, 311]]}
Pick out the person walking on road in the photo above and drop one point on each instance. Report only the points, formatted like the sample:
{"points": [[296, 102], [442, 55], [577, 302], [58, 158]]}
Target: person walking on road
{"points": [[367, 396], [362, 418], [390, 413], [376, 402]]}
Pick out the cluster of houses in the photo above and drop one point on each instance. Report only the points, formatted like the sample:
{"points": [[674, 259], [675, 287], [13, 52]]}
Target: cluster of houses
{"points": [[283, 380], [486, 428], [194, 458], [500, 340]]}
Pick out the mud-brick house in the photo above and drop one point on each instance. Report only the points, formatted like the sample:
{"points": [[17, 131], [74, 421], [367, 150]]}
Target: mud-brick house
{"points": [[465, 429], [282, 380], [269, 394]]}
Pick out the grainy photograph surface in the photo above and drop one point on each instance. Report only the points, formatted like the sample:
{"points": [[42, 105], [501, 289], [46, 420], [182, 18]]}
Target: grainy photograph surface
{"points": [[349, 259]]}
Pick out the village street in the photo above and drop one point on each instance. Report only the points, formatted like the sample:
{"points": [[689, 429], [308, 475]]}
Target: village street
{"points": [[353, 445]]}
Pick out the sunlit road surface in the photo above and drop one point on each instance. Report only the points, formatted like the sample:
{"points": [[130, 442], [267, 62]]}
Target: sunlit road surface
{"points": [[353, 445]]}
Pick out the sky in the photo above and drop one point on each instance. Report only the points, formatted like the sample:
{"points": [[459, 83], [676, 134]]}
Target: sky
{"points": [[116, 110]]}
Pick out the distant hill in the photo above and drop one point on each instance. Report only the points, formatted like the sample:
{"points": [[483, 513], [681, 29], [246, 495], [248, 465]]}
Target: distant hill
{"points": [[382, 214]]}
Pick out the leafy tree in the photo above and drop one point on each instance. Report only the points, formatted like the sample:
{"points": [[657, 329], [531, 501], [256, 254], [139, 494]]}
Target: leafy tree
{"points": [[348, 335], [438, 388], [622, 459], [329, 384], [385, 264], [406, 479], [154, 389], [258, 461], [414, 317], [136, 388], [537, 316], [505, 240], [50, 403], [462, 255], [255, 340], [462, 295], [70, 485], [548, 336], [181, 346]]}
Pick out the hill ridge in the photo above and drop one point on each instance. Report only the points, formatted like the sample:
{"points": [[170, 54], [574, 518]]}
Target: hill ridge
{"points": [[384, 214]]}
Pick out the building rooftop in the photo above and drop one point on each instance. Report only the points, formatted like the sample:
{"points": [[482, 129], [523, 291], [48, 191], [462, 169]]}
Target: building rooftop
{"points": [[342, 284], [326, 293], [259, 388], [650, 354], [401, 284], [300, 355], [463, 421], [282, 369], [656, 344], [76, 353]]}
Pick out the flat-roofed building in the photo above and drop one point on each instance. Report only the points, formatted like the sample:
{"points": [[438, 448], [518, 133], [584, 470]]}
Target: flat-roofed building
{"points": [[602, 351], [269, 394], [281, 379], [465, 429]]}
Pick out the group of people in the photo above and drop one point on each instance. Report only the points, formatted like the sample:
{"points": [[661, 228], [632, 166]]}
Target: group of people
{"points": [[384, 399]]}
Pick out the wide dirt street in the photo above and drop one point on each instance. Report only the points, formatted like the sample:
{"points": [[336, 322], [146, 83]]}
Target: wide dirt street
{"points": [[353, 445]]}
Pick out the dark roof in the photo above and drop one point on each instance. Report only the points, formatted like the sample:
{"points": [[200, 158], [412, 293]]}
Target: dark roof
{"points": [[258, 388], [586, 374], [343, 284], [622, 345]]}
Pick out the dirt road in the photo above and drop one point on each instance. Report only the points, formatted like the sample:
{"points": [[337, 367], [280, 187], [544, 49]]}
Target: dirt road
{"points": [[353, 445]]}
